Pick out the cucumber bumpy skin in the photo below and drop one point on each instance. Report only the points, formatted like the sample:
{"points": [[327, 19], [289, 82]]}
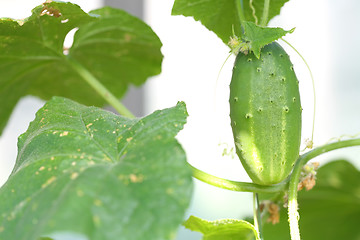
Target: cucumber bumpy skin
{"points": [[265, 113]]}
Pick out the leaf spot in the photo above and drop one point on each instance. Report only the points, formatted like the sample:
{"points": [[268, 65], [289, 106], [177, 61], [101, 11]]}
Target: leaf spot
{"points": [[89, 125], [73, 163], [48, 182], [80, 193], [96, 220], [41, 168], [170, 191], [129, 139], [127, 37], [136, 179], [74, 175], [98, 202], [64, 134], [2, 229]]}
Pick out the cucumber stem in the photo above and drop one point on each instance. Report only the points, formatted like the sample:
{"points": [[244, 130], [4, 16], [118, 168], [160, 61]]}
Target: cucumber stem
{"points": [[240, 11], [255, 213], [99, 88], [236, 186], [265, 15], [295, 177]]}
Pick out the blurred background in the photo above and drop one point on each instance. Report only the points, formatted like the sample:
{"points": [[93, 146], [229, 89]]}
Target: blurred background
{"points": [[325, 35]]}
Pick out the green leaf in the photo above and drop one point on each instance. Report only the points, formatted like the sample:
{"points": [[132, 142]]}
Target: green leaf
{"points": [[257, 37], [258, 5], [222, 16], [224, 229], [86, 171], [330, 210], [218, 16], [117, 48]]}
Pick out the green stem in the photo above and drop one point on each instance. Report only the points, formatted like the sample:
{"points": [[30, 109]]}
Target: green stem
{"points": [[295, 177], [236, 186], [258, 215], [240, 11], [99, 88], [255, 213], [265, 15]]}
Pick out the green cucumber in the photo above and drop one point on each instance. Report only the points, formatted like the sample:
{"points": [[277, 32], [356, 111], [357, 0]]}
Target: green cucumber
{"points": [[265, 113]]}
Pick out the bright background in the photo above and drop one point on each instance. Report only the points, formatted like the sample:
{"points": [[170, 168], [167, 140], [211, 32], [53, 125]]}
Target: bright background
{"points": [[325, 35]]}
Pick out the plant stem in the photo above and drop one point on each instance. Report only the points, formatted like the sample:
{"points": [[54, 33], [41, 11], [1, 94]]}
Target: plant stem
{"points": [[236, 186], [265, 15], [240, 11], [295, 176], [99, 88], [257, 215], [256, 222]]}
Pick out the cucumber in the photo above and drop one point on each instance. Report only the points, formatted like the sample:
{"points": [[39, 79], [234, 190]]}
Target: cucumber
{"points": [[265, 113]]}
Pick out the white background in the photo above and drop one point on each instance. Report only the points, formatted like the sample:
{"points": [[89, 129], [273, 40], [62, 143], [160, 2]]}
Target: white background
{"points": [[326, 35]]}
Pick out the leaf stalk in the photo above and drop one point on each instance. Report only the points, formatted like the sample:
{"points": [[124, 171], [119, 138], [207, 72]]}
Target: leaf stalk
{"points": [[99, 88], [295, 177], [234, 185]]}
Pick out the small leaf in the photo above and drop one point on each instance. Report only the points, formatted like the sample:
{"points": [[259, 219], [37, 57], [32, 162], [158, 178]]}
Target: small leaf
{"points": [[117, 48], [224, 229], [257, 37], [89, 172], [330, 210]]}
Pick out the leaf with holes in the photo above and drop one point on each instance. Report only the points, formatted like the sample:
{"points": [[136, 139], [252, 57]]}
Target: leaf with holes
{"points": [[85, 171], [117, 48], [223, 229]]}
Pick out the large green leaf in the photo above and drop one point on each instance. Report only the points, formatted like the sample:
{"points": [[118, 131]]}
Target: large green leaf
{"points": [[221, 16], [223, 229], [330, 211], [218, 16], [117, 48], [87, 171]]}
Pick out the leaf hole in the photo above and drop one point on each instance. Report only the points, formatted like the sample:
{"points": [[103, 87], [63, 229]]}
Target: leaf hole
{"points": [[69, 40]]}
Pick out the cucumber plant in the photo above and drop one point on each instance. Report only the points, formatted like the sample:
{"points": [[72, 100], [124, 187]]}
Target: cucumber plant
{"points": [[86, 173]]}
